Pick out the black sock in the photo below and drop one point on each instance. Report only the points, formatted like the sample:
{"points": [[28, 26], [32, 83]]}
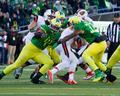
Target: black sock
{"points": [[108, 71], [2, 75], [66, 76]]}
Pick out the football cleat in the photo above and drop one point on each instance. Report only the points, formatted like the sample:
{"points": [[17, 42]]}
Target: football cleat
{"points": [[1, 76], [32, 74], [17, 76], [111, 78], [99, 76], [71, 82], [35, 78], [50, 75], [18, 72], [63, 78], [89, 76], [37, 82]]}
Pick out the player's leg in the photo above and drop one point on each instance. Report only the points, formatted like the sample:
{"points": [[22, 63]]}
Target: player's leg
{"points": [[18, 72], [114, 58], [98, 57], [47, 63], [89, 72], [13, 53], [112, 61], [9, 54], [64, 64], [25, 54], [86, 68], [71, 71], [89, 53], [109, 76], [69, 76], [72, 68], [37, 68], [98, 62], [54, 55], [101, 66]]}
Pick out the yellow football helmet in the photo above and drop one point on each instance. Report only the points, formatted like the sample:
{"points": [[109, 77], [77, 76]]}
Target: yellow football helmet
{"points": [[59, 15], [56, 22], [74, 20]]}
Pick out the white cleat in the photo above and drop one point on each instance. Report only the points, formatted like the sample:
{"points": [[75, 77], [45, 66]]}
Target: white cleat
{"points": [[89, 76]]}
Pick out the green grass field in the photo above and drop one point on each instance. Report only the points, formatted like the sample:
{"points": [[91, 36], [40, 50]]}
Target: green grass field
{"points": [[23, 87]]}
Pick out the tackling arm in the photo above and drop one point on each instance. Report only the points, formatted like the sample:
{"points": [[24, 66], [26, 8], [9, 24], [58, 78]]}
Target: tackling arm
{"points": [[33, 23], [66, 38], [71, 36]]}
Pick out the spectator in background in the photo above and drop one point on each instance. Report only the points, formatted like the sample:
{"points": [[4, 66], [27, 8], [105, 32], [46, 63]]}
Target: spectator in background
{"points": [[86, 5], [15, 21], [74, 5], [114, 3], [64, 6], [101, 4], [58, 6], [4, 6], [1, 47], [11, 39], [21, 17], [0, 5], [118, 3], [5, 47], [1, 19], [80, 4], [92, 2], [1, 50], [7, 21], [113, 35], [19, 45]]}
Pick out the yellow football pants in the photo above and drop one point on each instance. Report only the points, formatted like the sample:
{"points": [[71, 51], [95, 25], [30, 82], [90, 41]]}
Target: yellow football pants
{"points": [[54, 55], [93, 55], [114, 58], [30, 51]]}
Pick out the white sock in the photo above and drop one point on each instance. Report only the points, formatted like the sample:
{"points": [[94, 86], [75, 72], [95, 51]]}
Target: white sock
{"points": [[59, 67], [71, 75], [54, 70], [88, 70]]}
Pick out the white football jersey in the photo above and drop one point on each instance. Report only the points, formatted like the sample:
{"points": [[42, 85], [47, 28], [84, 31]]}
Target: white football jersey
{"points": [[29, 36]]}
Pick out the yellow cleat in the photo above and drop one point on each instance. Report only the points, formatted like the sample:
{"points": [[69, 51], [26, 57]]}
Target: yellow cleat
{"points": [[97, 79]]}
